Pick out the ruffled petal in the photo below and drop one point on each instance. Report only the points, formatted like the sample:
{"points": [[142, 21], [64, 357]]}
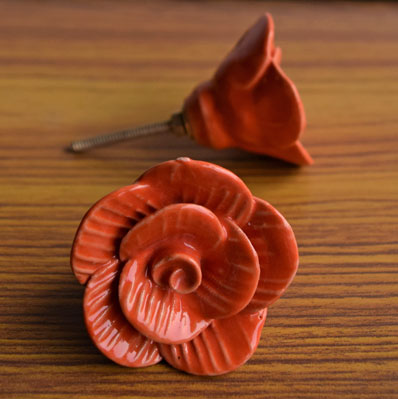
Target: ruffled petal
{"points": [[230, 276], [98, 236], [247, 61], [159, 313], [107, 326], [181, 223], [274, 241], [202, 183], [295, 153], [280, 112], [225, 345]]}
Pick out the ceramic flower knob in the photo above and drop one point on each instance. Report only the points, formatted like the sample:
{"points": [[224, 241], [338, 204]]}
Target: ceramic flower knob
{"points": [[249, 103], [182, 265]]}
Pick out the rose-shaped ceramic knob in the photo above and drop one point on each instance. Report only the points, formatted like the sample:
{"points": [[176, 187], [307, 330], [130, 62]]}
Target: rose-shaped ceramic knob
{"points": [[182, 265], [249, 103]]}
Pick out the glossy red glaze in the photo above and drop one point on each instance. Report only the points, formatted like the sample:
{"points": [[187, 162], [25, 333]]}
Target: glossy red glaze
{"points": [[186, 258], [222, 347], [107, 325], [250, 103]]}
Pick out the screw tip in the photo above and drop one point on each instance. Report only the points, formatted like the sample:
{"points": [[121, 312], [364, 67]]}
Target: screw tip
{"points": [[72, 148]]}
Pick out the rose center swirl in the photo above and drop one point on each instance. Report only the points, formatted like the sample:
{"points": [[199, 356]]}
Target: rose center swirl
{"points": [[179, 271]]}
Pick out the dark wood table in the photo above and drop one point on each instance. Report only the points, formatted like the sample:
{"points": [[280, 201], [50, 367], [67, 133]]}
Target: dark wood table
{"points": [[74, 69]]}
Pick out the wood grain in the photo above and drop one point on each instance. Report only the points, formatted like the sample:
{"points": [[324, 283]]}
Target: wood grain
{"points": [[73, 69]]}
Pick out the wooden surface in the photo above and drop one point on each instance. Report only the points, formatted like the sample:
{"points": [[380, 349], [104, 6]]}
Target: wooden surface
{"points": [[73, 69]]}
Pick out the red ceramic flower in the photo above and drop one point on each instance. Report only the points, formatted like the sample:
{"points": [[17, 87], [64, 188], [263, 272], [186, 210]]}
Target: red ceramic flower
{"points": [[250, 103], [182, 265]]}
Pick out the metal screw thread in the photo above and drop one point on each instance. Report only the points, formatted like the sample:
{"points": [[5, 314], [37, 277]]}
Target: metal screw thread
{"points": [[109, 138]]}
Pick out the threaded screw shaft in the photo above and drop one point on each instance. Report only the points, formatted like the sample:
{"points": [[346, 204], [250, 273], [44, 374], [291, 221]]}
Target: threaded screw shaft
{"points": [[98, 141]]}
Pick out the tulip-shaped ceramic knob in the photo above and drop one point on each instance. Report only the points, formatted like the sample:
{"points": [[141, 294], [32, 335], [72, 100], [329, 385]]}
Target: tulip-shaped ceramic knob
{"points": [[182, 265], [249, 103]]}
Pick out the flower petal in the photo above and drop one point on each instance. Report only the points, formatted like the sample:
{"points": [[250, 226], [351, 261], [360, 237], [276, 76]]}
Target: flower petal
{"points": [[247, 61], [108, 328], [283, 116], [98, 236], [274, 241], [225, 345], [295, 153], [202, 183], [230, 276], [181, 223], [159, 313]]}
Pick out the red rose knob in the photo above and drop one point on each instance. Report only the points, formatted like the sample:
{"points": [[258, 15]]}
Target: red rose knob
{"points": [[250, 103], [182, 265]]}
